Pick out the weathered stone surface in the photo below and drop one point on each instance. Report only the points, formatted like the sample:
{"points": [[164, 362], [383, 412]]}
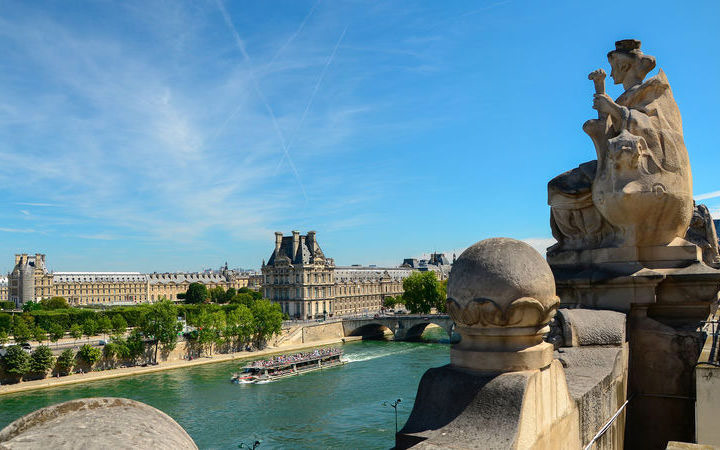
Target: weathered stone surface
{"points": [[592, 327], [639, 192], [597, 381], [501, 295], [460, 409], [96, 423], [501, 282], [702, 233]]}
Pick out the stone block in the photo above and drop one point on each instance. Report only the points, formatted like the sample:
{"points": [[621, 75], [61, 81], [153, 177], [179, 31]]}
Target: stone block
{"points": [[582, 327]]}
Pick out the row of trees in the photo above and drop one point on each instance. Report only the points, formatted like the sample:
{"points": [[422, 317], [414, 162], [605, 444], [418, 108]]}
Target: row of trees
{"points": [[49, 315], [236, 327], [18, 364], [24, 331], [199, 293], [233, 328]]}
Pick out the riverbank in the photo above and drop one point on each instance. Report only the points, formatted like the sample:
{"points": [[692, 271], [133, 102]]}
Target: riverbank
{"points": [[129, 371]]}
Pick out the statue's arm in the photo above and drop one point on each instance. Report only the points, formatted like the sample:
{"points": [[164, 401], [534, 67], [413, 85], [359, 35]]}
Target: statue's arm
{"points": [[618, 113]]}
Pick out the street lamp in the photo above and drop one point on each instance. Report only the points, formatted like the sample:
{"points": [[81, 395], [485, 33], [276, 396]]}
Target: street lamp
{"points": [[394, 406], [244, 445]]}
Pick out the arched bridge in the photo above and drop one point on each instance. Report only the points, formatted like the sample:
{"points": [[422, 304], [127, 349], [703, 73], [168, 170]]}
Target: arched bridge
{"points": [[404, 327]]}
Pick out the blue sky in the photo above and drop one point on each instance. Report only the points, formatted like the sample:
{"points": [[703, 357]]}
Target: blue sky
{"points": [[162, 136]]}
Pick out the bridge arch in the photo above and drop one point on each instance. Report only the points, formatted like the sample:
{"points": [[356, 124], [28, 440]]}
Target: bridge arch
{"points": [[415, 332], [374, 330]]}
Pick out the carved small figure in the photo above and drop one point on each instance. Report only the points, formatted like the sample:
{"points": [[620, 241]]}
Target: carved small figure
{"points": [[703, 234]]}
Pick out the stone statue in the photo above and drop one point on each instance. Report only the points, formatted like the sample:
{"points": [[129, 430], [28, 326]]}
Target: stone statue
{"points": [[638, 193], [703, 234]]}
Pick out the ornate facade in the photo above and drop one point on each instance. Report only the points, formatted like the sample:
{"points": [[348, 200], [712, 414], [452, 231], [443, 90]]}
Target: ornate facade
{"points": [[31, 281], [307, 285]]}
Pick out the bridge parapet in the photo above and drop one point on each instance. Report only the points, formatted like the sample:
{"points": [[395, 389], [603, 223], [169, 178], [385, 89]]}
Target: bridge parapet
{"points": [[403, 327]]}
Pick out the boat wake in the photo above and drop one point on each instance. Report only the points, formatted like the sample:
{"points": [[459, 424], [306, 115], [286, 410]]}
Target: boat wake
{"points": [[367, 356]]}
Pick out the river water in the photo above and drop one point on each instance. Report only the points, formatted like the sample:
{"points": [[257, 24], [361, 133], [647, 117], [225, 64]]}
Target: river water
{"points": [[341, 407]]}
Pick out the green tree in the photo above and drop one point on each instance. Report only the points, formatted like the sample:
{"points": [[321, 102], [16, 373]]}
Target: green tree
{"points": [[31, 306], [423, 291], [217, 294], [161, 325], [89, 354], [65, 362], [119, 324], [54, 303], [4, 338], [89, 327], [21, 331], [243, 298], [135, 345], [267, 321], [109, 352], [122, 350], [229, 294], [56, 332], [210, 327], [41, 360], [239, 327], [389, 302], [196, 293], [104, 325], [16, 361], [76, 331], [39, 334]]}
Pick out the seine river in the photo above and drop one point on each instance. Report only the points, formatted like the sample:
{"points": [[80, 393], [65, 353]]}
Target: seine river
{"points": [[341, 407]]}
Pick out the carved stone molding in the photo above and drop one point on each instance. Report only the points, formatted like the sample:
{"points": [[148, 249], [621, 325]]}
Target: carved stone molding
{"points": [[484, 312]]}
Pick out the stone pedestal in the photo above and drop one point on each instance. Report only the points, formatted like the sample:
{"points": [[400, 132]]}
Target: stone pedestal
{"points": [[672, 280], [501, 350]]}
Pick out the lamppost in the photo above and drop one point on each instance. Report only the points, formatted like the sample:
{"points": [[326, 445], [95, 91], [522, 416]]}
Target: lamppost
{"points": [[394, 406], [244, 445]]}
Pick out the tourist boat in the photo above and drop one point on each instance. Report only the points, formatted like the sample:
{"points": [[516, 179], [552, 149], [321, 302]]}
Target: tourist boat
{"points": [[288, 365]]}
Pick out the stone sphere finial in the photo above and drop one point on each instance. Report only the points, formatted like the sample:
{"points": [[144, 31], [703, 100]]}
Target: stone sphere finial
{"points": [[501, 295]]}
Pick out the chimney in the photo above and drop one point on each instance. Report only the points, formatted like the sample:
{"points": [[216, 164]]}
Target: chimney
{"points": [[311, 241], [17, 258], [278, 241], [296, 242]]}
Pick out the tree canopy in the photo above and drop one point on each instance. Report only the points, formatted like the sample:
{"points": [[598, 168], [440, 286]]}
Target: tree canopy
{"points": [[267, 319], [423, 292], [54, 303], [196, 293], [41, 360], [16, 361], [65, 362], [161, 325]]}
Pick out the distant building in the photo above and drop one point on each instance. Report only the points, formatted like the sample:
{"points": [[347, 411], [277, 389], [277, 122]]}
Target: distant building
{"points": [[31, 281], [437, 263], [4, 295], [307, 285]]}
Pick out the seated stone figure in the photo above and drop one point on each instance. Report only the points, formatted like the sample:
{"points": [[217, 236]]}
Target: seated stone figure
{"points": [[639, 190]]}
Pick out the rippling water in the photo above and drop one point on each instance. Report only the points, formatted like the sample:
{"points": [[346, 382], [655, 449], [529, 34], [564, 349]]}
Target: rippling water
{"points": [[340, 407]]}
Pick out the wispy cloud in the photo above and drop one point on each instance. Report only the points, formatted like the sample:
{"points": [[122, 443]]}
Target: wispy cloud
{"points": [[144, 142], [17, 230], [707, 196], [38, 204]]}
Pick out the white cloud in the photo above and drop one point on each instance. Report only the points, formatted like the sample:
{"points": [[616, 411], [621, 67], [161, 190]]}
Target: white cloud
{"points": [[142, 142], [707, 196]]}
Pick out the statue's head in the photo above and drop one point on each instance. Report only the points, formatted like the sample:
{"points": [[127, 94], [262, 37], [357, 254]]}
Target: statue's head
{"points": [[627, 60]]}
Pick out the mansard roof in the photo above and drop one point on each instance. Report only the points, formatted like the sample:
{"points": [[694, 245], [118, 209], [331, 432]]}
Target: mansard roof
{"points": [[308, 251], [181, 277], [98, 277]]}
